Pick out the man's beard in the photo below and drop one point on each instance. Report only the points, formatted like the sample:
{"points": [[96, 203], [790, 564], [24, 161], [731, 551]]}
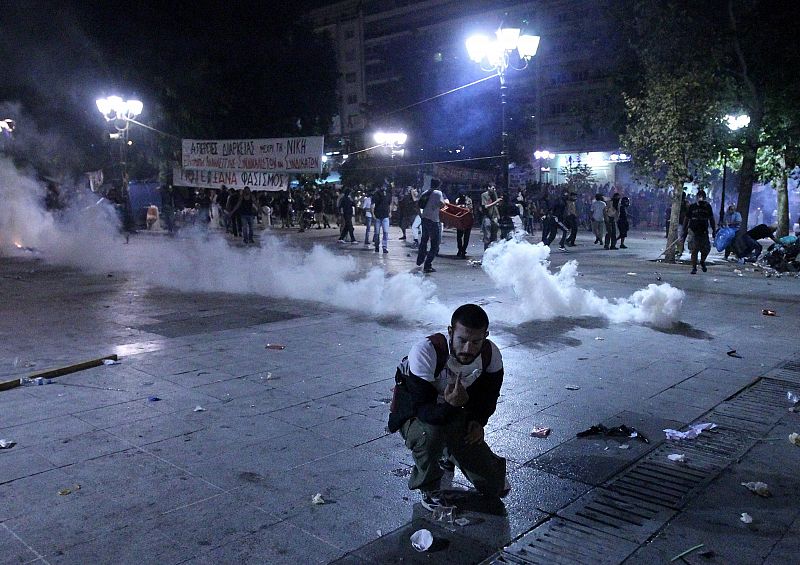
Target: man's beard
{"points": [[462, 358]]}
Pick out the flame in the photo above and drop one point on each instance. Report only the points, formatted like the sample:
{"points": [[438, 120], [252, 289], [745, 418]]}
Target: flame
{"points": [[18, 244]]}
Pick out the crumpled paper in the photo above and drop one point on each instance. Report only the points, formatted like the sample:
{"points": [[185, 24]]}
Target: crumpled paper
{"points": [[421, 540], [693, 431], [8, 444], [746, 518], [677, 457], [759, 488], [110, 362], [317, 499], [794, 438]]}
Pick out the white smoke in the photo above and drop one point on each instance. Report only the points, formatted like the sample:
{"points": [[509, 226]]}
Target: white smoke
{"points": [[87, 236], [523, 268]]}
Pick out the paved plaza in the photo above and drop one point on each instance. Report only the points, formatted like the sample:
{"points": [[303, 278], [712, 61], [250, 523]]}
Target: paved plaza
{"points": [[203, 446]]}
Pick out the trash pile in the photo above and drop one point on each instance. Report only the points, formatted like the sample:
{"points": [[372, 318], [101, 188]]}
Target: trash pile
{"points": [[782, 257]]}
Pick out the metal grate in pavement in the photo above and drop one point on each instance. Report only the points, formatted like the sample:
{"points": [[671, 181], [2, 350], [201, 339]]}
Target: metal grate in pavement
{"points": [[618, 514], [559, 541], [662, 482], [791, 366], [762, 403], [790, 377]]}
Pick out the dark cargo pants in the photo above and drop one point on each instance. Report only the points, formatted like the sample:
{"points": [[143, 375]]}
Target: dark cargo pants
{"points": [[427, 443]]}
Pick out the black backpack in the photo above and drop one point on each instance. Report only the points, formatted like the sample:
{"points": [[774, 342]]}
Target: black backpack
{"points": [[402, 407], [423, 203]]}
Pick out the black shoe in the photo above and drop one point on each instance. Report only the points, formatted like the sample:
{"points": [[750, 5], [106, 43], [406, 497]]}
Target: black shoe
{"points": [[401, 237], [386, 251], [703, 266], [605, 247], [694, 271], [429, 270], [623, 246], [614, 247], [377, 249]]}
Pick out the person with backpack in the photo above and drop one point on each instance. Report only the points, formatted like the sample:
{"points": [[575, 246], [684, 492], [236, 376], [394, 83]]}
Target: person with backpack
{"points": [[446, 390], [698, 217]]}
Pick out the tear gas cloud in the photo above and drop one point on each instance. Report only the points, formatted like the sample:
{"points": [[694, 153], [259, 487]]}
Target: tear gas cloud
{"points": [[523, 269], [87, 236]]}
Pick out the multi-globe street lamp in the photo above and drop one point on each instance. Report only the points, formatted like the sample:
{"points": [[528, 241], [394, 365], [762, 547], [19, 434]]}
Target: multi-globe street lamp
{"points": [[734, 123], [120, 113], [543, 155], [510, 48]]}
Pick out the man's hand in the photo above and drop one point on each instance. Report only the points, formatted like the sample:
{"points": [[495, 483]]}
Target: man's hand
{"points": [[455, 394], [474, 433]]}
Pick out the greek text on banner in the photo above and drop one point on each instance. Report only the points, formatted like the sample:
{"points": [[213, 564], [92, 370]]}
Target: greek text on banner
{"points": [[280, 155], [256, 180]]}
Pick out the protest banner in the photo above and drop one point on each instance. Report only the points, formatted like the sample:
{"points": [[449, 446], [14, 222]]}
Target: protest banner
{"points": [[278, 155], [256, 180], [461, 175]]}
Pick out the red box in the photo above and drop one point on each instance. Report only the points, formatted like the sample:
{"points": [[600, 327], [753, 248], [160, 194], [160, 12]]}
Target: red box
{"points": [[457, 217]]}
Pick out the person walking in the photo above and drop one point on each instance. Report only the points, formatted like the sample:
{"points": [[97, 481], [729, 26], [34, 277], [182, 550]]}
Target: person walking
{"points": [[622, 222], [432, 199], [234, 219], [611, 213], [346, 206], [571, 219], [408, 210], [367, 204], [491, 215], [598, 218], [246, 209], [699, 216], [381, 202], [462, 235]]}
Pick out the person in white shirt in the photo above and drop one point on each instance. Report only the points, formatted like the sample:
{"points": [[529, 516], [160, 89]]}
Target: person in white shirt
{"points": [[431, 229], [598, 218], [366, 205]]}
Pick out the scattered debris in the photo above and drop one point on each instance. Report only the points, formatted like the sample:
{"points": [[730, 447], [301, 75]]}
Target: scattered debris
{"points": [[8, 444], [199, 408], [624, 446], [677, 457], [792, 397], [572, 387], [110, 362], [275, 346], [794, 438], [658, 276], [462, 521], [380, 533], [443, 514], [732, 353], [269, 376], [599, 338], [759, 488], [687, 552], [619, 431], [583, 358], [70, 490], [710, 554], [738, 272], [631, 274], [402, 472], [768, 312], [317, 499], [540, 432], [757, 327], [475, 263], [153, 398], [421, 540], [746, 518], [693, 431]]}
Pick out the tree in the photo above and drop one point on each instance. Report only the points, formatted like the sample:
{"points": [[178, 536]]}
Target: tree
{"points": [[674, 128]]}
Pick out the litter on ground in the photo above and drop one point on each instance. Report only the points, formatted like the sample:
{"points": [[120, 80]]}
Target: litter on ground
{"points": [[8, 444], [317, 499], [275, 346], [677, 457], [794, 438], [732, 353], [693, 431], [199, 408], [572, 387], [746, 518], [620, 431], [421, 540], [687, 552], [540, 432], [759, 488], [768, 312]]}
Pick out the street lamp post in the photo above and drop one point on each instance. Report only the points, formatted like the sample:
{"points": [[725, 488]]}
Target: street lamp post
{"points": [[734, 123], [497, 55], [120, 113], [393, 141]]}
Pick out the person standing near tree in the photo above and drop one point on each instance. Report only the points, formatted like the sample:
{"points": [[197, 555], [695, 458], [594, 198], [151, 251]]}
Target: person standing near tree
{"points": [[699, 216]]}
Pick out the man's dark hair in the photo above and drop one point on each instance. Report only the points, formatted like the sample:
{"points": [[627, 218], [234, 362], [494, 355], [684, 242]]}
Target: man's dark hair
{"points": [[435, 183], [700, 193], [470, 316]]}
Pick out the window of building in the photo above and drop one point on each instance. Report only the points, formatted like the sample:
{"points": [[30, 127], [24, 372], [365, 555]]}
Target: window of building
{"points": [[352, 98], [350, 77]]}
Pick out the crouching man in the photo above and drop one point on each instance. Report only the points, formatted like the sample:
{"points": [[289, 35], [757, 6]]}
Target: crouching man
{"points": [[446, 390]]}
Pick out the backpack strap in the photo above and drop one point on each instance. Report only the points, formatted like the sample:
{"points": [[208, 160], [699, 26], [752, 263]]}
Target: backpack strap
{"points": [[486, 354], [439, 342]]}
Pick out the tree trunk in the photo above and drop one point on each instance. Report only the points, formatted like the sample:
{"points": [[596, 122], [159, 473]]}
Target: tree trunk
{"points": [[747, 175], [783, 204], [674, 220]]}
